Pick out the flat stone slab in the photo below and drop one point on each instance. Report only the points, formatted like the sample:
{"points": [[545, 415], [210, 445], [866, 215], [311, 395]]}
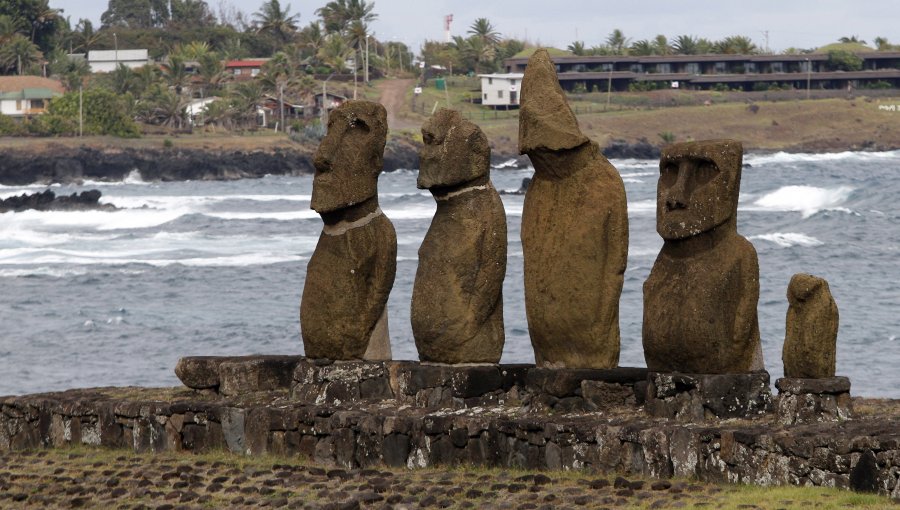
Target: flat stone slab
{"points": [[233, 375], [828, 385]]}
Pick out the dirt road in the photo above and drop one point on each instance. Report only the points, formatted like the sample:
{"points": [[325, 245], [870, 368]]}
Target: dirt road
{"points": [[393, 97]]}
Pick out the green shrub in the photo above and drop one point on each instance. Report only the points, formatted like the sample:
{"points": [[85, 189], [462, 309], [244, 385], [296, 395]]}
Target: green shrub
{"points": [[9, 127], [842, 60], [105, 113]]}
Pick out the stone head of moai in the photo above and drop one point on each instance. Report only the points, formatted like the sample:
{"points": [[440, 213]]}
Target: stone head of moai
{"points": [[350, 157], [455, 151], [546, 123], [698, 188], [811, 328]]}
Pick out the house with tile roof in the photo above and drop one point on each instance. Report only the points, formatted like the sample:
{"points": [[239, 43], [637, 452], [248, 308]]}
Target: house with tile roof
{"points": [[22, 96]]}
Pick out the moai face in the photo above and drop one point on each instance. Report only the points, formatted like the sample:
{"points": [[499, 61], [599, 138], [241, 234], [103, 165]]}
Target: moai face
{"points": [[350, 157], [454, 151], [698, 187]]}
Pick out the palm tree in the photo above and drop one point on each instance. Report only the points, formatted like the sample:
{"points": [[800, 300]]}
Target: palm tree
{"points": [[19, 53], [9, 27], [685, 45], [617, 42], [335, 52], [70, 71], [661, 45], [642, 48], [882, 44], [212, 72], [576, 47], [271, 19], [851, 39], [174, 72], [43, 15], [311, 39], [736, 45], [85, 36], [482, 30], [339, 14]]}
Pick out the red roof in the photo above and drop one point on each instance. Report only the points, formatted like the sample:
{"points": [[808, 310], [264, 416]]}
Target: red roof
{"points": [[245, 63]]}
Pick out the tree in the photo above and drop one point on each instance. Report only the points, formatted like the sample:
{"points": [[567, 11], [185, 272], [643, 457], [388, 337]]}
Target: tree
{"points": [[192, 13], [642, 48], [212, 72], [34, 19], [483, 30], [18, 54], [85, 38], [271, 19], [174, 72], [842, 60], [105, 113], [851, 39], [736, 45], [686, 45], [577, 48], [70, 71], [617, 42], [136, 13], [661, 45]]}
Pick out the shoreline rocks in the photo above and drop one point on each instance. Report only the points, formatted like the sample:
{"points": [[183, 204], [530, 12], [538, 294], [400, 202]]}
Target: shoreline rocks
{"points": [[48, 201]]}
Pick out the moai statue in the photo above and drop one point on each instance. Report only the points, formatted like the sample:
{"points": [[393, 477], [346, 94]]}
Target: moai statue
{"points": [[343, 312], [574, 231], [457, 301], [811, 332], [700, 299]]}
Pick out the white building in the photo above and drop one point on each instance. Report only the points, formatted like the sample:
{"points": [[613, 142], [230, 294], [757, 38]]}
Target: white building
{"points": [[27, 95], [500, 89], [104, 61]]}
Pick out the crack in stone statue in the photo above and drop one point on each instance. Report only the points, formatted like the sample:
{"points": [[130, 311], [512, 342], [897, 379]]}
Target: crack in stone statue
{"points": [[574, 231], [701, 296], [457, 303], [343, 312], [811, 329]]}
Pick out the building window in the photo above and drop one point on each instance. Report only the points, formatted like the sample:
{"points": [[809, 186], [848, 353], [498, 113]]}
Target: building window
{"points": [[750, 67], [500, 94], [237, 71], [254, 71], [37, 103], [721, 68], [692, 68], [18, 105], [512, 82], [664, 68], [777, 67], [637, 68], [485, 96], [490, 81]]}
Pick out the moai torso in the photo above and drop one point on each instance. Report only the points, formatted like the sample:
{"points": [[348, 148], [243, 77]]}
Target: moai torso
{"points": [[701, 296], [810, 340], [457, 303], [343, 311], [574, 232]]}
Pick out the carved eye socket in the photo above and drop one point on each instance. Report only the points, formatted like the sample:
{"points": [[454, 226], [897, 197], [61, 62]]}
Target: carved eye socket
{"points": [[357, 123], [705, 172], [668, 174], [428, 138]]}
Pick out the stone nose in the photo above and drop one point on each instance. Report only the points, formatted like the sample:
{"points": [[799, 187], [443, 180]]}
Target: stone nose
{"points": [[324, 156], [677, 196]]}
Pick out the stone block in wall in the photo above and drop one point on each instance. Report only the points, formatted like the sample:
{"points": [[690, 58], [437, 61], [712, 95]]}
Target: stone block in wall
{"points": [[256, 373], [695, 397], [813, 400], [603, 396]]}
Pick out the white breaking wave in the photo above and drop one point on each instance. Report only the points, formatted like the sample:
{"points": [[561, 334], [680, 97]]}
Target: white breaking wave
{"points": [[99, 220], [175, 201], [787, 157], [642, 206], [788, 239], [133, 178], [634, 163], [807, 200], [121, 258], [509, 163], [279, 216], [632, 181]]}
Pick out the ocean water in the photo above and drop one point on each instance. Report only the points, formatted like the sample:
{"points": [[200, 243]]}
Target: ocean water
{"points": [[217, 268]]}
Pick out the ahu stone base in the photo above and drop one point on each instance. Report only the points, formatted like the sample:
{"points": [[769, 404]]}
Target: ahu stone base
{"points": [[813, 400], [416, 415], [698, 397]]}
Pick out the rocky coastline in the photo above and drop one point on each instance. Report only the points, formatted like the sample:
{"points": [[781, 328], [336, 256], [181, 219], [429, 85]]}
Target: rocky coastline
{"points": [[49, 201], [67, 165]]}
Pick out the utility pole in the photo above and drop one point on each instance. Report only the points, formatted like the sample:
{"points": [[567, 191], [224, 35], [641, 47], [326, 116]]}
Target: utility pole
{"points": [[80, 111], [766, 34], [281, 103], [116, 42], [366, 72], [808, 75], [609, 85]]}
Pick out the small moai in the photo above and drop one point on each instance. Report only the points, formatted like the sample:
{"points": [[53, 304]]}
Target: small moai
{"points": [[574, 231], [810, 391], [343, 313], [701, 296], [457, 301], [810, 339]]}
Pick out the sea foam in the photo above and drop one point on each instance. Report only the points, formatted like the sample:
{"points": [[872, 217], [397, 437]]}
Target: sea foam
{"points": [[788, 239], [807, 200]]}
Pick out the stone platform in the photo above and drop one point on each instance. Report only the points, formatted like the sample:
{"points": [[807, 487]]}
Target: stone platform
{"points": [[359, 414]]}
